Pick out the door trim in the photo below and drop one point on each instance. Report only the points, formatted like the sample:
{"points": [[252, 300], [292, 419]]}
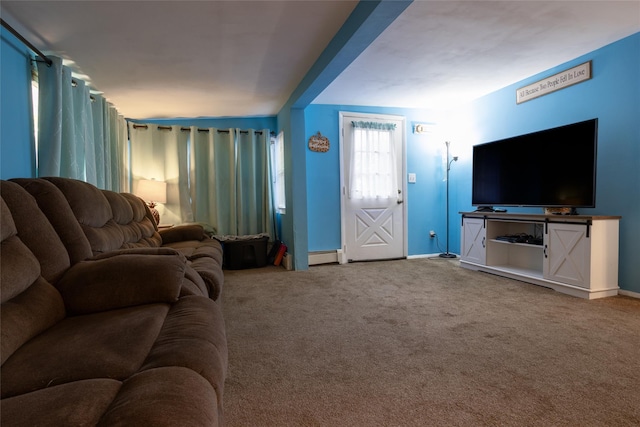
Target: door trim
{"points": [[343, 255]]}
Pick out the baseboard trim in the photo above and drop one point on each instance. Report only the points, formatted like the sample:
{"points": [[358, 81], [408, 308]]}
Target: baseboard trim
{"points": [[436, 255], [333, 257], [628, 293]]}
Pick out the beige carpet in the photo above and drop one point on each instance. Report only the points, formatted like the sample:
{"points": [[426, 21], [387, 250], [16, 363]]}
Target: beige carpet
{"points": [[424, 342]]}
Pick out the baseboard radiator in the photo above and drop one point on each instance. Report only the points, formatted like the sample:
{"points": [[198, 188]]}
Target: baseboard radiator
{"points": [[324, 257], [287, 261]]}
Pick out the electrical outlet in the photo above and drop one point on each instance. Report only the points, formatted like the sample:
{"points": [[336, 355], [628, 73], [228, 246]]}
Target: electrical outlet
{"points": [[432, 234]]}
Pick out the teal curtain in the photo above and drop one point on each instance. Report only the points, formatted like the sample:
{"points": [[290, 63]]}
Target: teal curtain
{"points": [[161, 153], [110, 145], [253, 197], [80, 136], [213, 182], [230, 180]]}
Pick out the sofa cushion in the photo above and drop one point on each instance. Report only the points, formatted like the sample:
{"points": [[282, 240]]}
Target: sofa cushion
{"points": [[29, 314], [29, 304], [54, 205], [109, 344], [19, 268], [36, 231], [143, 219], [88, 203], [192, 249], [120, 281], [211, 274], [80, 403], [93, 211], [193, 283], [181, 233], [122, 214], [193, 336], [205, 257], [170, 396], [130, 215]]}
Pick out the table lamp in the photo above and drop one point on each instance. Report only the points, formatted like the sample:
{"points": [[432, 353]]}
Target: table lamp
{"points": [[152, 192]]}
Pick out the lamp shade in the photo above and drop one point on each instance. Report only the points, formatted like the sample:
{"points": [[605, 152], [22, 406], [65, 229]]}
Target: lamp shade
{"points": [[152, 191]]}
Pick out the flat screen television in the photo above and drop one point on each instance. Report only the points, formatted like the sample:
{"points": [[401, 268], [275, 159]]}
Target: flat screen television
{"points": [[552, 168]]}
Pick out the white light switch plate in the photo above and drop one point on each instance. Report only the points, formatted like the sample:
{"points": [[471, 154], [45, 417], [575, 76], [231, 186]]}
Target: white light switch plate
{"points": [[412, 178]]}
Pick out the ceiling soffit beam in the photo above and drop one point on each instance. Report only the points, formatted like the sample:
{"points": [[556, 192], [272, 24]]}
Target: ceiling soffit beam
{"points": [[367, 21]]}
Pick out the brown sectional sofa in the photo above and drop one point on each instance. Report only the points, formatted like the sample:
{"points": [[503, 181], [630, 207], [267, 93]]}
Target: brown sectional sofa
{"points": [[106, 321]]}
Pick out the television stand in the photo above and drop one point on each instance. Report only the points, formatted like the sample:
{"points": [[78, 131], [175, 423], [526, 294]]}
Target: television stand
{"points": [[578, 255]]}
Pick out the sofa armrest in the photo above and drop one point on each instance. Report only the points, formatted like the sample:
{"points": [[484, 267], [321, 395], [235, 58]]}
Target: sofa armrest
{"points": [[122, 281], [181, 233]]}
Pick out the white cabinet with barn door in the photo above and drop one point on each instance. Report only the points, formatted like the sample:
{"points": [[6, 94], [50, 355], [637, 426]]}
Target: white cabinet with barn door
{"points": [[575, 254], [583, 255], [474, 240]]}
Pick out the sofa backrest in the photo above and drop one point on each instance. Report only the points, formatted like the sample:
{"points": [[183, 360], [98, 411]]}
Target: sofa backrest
{"points": [[29, 304], [35, 231], [134, 218], [54, 205], [93, 211], [91, 221]]}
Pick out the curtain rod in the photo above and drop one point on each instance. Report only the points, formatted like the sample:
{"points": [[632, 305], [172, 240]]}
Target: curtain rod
{"points": [[35, 49], [160, 127], [26, 42]]}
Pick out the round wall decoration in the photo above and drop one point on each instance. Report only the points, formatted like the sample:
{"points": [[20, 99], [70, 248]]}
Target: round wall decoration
{"points": [[319, 143]]}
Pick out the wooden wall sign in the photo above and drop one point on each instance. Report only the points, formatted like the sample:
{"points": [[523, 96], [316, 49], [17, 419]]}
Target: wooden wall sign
{"points": [[558, 81], [319, 143]]}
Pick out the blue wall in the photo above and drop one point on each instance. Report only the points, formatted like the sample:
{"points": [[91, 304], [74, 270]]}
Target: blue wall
{"points": [[424, 200], [365, 23], [17, 158], [612, 95]]}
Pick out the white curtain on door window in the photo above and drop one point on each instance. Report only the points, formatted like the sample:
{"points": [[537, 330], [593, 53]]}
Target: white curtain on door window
{"points": [[372, 168], [230, 180], [80, 135], [161, 153]]}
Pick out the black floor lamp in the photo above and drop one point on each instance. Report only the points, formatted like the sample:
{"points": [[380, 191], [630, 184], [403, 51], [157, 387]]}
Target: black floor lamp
{"points": [[454, 159]]}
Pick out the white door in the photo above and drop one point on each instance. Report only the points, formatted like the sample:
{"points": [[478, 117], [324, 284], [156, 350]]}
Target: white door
{"points": [[373, 187]]}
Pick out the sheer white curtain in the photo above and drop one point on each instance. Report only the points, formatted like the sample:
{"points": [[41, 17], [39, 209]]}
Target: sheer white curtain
{"points": [[77, 129], [230, 180], [372, 172], [161, 153]]}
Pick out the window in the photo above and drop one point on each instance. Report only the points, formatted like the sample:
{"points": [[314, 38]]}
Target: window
{"points": [[373, 170], [35, 96], [277, 156]]}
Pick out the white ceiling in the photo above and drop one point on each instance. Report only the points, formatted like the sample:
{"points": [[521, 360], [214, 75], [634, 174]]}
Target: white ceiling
{"points": [[245, 58], [441, 53]]}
